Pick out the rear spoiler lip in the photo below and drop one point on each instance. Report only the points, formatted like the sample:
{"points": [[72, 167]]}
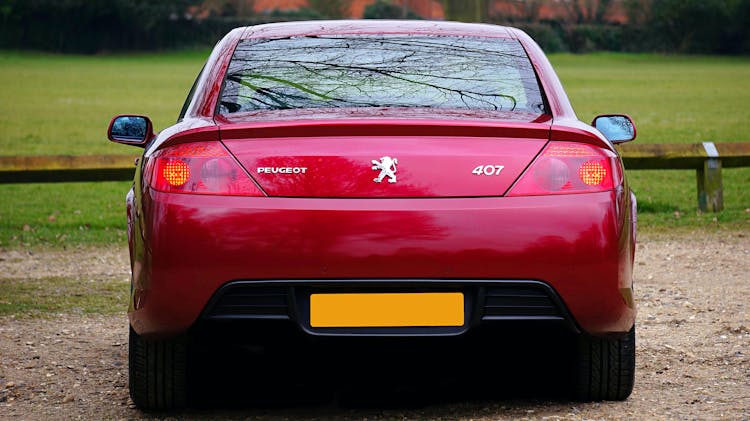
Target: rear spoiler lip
{"points": [[203, 129], [384, 127]]}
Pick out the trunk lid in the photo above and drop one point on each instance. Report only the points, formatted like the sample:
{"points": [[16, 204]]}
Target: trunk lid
{"points": [[385, 158]]}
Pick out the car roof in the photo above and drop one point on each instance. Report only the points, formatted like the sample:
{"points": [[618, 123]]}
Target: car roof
{"points": [[367, 26]]}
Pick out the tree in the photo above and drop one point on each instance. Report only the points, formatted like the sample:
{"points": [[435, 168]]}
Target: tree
{"points": [[332, 9], [638, 11], [698, 26], [587, 11], [88, 26], [384, 9], [530, 11], [601, 10], [465, 10], [742, 25]]}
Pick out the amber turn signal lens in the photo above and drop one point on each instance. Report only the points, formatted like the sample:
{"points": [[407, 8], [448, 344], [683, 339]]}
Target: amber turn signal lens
{"points": [[592, 173], [176, 172]]}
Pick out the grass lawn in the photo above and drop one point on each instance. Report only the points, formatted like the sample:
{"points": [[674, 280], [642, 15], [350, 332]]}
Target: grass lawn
{"points": [[63, 214], [49, 296], [61, 104], [53, 104]]}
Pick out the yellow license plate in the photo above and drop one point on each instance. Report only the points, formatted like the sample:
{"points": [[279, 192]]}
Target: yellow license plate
{"points": [[387, 309]]}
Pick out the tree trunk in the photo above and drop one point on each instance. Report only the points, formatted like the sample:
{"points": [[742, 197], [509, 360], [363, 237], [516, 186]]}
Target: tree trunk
{"points": [[465, 10]]}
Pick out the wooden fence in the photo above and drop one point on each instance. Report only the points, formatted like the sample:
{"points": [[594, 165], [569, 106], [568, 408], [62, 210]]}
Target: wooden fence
{"points": [[707, 159]]}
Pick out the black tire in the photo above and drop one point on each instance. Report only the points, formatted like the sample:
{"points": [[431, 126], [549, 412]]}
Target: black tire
{"points": [[157, 373], [605, 368]]}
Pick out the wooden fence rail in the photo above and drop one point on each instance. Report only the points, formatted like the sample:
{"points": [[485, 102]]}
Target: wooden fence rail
{"points": [[62, 168], [707, 159]]}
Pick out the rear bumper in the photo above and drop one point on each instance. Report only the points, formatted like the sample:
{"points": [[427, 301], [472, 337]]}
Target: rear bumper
{"points": [[579, 246], [483, 301]]}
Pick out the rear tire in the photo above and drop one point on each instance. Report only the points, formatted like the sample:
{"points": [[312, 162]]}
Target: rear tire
{"points": [[605, 367], [157, 372]]}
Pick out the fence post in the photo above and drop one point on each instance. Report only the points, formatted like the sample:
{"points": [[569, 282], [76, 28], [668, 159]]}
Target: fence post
{"points": [[710, 193]]}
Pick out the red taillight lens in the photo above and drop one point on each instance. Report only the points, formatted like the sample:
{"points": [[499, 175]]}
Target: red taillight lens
{"points": [[566, 167], [199, 168]]}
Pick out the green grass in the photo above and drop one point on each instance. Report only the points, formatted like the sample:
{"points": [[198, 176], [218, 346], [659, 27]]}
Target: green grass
{"points": [[62, 214], [52, 104], [45, 297], [57, 104]]}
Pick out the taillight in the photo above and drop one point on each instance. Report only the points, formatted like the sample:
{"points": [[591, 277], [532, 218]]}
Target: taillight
{"points": [[566, 167], [199, 168], [175, 172]]}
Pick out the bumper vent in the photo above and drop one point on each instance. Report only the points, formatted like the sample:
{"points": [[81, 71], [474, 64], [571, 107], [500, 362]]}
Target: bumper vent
{"points": [[486, 300], [519, 301], [237, 301]]}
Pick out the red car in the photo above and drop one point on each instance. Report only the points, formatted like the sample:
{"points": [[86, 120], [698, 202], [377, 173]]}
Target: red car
{"points": [[377, 178]]}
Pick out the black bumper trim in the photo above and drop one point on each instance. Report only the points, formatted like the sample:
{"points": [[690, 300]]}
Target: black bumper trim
{"points": [[484, 301]]}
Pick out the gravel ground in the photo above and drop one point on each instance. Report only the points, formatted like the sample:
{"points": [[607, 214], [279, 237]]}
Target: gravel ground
{"points": [[693, 353]]}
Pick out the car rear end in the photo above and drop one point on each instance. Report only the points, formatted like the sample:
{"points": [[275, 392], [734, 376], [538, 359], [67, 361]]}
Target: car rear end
{"points": [[343, 196], [333, 225]]}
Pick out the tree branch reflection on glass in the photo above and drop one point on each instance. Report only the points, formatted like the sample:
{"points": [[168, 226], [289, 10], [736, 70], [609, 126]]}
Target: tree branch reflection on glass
{"points": [[447, 72]]}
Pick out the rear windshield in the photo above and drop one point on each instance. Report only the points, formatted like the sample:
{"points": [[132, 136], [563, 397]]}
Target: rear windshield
{"points": [[350, 71]]}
